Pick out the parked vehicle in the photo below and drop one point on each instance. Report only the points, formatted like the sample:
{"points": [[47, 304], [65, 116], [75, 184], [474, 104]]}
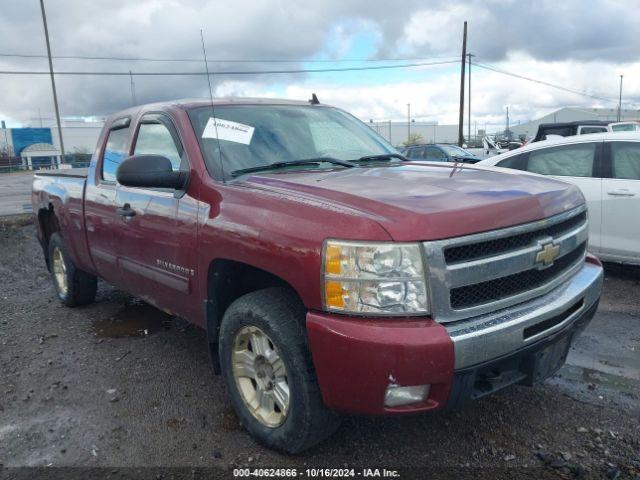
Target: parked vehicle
{"points": [[547, 131], [330, 274], [606, 167], [569, 129], [435, 152]]}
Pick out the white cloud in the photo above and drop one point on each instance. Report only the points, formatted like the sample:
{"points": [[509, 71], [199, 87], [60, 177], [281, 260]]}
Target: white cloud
{"points": [[438, 31], [436, 99], [560, 43]]}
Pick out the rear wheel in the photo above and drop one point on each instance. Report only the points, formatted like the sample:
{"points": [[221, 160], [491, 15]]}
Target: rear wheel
{"points": [[268, 371], [73, 286]]}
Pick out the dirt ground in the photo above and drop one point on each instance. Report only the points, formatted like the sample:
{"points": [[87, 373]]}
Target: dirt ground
{"points": [[119, 384]]}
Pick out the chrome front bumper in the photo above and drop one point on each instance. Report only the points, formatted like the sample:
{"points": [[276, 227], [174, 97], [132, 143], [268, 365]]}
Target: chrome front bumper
{"points": [[490, 336]]}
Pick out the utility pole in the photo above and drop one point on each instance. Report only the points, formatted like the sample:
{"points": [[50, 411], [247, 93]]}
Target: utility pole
{"points": [[462, 65], [469, 55], [6, 142], [408, 123], [620, 99], [53, 82]]}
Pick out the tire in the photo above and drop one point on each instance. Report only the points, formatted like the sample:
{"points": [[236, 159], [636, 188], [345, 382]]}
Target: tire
{"points": [[74, 287], [278, 314]]}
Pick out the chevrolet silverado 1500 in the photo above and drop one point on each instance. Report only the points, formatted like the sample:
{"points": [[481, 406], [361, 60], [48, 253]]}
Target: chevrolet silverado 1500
{"points": [[331, 274]]}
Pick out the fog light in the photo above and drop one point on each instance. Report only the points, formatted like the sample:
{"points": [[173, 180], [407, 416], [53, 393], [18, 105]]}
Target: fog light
{"points": [[396, 395]]}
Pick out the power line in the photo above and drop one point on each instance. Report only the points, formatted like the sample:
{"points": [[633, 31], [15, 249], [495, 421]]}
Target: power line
{"points": [[542, 82], [231, 72], [222, 60]]}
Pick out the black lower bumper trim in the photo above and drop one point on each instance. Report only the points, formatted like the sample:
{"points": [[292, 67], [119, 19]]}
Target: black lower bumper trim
{"points": [[527, 366]]}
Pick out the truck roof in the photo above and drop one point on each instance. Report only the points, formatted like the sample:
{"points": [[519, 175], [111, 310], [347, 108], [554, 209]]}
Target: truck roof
{"points": [[189, 103]]}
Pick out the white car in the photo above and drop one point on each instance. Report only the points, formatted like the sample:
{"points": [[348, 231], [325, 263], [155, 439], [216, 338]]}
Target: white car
{"points": [[606, 167]]}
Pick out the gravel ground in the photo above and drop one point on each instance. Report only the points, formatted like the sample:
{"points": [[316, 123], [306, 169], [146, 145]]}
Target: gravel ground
{"points": [[119, 384]]}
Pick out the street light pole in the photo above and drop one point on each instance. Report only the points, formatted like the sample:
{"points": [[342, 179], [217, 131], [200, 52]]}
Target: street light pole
{"points": [[620, 100], [53, 82], [408, 123], [132, 86], [507, 134]]}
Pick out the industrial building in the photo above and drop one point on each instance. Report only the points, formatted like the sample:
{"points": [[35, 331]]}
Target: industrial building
{"points": [[80, 135], [432, 132], [32, 146]]}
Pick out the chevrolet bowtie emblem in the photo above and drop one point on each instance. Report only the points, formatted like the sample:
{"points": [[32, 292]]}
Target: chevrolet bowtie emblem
{"points": [[548, 254]]}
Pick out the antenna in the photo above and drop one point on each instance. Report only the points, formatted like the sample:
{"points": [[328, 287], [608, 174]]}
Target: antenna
{"points": [[314, 99], [213, 111]]}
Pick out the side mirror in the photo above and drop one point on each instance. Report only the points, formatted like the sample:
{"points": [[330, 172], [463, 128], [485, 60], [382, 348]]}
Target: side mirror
{"points": [[150, 171]]}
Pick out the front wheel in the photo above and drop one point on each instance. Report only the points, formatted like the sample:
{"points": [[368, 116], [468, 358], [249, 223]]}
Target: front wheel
{"points": [[268, 371]]}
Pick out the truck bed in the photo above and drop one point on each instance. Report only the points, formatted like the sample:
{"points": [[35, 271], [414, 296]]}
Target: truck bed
{"points": [[69, 172]]}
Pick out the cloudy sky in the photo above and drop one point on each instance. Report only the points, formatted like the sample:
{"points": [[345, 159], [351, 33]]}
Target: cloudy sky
{"points": [[583, 46]]}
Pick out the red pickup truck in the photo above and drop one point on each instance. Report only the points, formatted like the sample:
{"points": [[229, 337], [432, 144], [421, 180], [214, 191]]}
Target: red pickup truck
{"points": [[331, 274]]}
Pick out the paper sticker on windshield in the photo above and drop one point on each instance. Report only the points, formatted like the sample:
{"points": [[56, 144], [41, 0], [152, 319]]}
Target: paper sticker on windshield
{"points": [[228, 130]]}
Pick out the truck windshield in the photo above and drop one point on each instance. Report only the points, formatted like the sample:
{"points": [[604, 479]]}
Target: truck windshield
{"points": [[248, 136]]}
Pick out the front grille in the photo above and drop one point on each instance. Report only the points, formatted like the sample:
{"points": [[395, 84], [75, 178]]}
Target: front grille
{"points": [[484, 272], [510, 285], [475, 251]]}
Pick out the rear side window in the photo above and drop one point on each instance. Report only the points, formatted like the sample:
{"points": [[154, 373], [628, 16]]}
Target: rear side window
{"points": [[586, 130], [417, 152], [562, 131], [114, 153], [515, 161], [625, 160], [566, 160], [435, 154]]}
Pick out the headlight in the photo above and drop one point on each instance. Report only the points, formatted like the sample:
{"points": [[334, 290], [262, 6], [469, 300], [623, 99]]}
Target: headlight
{"points": [[374, 278]]}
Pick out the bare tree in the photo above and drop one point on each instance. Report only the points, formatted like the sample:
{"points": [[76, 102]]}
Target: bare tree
{"points": [[414, 139]]}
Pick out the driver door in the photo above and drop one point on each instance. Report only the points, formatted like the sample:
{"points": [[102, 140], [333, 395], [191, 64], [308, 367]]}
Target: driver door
{"points": [[157, 249]]}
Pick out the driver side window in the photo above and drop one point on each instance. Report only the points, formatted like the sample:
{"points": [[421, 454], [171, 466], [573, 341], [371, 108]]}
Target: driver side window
{"points": [[156, 139]]}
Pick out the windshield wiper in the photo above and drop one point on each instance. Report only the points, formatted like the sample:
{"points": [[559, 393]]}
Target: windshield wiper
{"points": [[292, 163], [384, 156]]}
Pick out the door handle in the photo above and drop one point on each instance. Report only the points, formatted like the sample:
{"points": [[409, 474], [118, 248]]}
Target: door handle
{"points": [[126, 211], [621, 193]]}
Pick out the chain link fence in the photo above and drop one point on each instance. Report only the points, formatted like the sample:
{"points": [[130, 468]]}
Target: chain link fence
{"points": [[10, 164]]}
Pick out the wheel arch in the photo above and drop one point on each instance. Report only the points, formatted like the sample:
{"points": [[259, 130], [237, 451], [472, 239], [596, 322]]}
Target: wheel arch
{"points": [[228, 280], [48, 224]]}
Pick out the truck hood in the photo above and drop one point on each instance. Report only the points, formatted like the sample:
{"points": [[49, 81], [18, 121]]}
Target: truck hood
{"points": [[416, 201]]}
